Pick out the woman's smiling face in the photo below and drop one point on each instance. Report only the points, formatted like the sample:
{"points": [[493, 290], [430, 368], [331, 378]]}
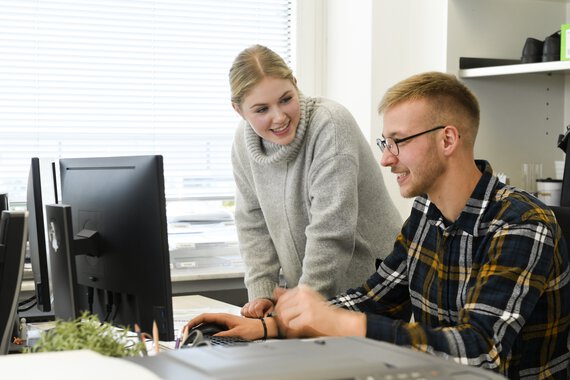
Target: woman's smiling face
{"points": [[272, 109]]}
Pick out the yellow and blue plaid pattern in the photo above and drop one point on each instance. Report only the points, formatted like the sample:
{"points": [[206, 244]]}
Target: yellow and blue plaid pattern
{"points": [[489, 290]]}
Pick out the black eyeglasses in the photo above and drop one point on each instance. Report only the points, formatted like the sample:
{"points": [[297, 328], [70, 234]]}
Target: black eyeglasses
{"points": [[392, 144]]}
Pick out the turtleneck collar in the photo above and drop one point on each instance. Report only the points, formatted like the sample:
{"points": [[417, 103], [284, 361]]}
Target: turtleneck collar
{"points": [[266, 152]]}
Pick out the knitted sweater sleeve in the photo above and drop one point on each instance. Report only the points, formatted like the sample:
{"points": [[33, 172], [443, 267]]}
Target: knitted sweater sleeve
{"points": [[334, 199], [256, 247]]}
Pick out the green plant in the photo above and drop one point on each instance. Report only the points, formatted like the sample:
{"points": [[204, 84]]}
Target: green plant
{"points": [[87, 332]]}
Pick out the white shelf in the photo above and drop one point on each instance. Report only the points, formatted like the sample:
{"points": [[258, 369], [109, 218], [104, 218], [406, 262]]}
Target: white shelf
{"points": [[560, 67]]}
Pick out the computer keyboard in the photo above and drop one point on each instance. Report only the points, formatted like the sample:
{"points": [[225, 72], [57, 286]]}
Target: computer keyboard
{"points": [[225, 340], [201, 340]]}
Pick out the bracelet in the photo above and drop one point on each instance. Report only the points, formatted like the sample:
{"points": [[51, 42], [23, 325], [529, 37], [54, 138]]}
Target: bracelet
{"points": [[262, 319]]}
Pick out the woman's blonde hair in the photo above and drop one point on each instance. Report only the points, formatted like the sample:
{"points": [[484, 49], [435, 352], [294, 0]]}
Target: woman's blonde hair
{"points": [[251, 66]]}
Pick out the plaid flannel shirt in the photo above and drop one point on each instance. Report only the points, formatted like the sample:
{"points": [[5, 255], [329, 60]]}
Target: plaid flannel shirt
{"points": [[490, 289]]}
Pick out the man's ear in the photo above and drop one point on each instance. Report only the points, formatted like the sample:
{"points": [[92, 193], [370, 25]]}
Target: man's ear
{"points": [[237, 109], [451, 138]]}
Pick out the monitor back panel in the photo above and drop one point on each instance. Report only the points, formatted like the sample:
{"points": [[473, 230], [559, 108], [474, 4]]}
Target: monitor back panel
{"points": [[13, 233]]}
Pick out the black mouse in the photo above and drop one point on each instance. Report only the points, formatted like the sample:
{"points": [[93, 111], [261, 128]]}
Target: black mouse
{"points": [[208, 328], [197, 333]]}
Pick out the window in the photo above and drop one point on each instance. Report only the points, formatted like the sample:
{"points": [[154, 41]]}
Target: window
{"points": [[85, 78]]}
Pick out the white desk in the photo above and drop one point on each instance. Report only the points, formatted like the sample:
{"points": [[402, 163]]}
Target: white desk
{"points": [[185, 308], [197, 304], [88, 365]]}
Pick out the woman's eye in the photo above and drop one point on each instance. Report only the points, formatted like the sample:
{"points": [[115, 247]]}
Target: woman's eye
{"points": [[286, 99], [261, 110]]}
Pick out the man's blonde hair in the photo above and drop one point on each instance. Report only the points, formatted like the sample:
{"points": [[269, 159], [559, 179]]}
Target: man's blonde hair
{"points": [[452, 102]]}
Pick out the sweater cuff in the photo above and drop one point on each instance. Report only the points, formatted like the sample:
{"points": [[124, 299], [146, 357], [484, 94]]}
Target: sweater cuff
{"points": [[262, 290]]}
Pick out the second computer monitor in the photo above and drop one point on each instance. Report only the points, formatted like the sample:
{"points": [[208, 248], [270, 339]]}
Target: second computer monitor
{"points": [[37, 237], [118, 203]]}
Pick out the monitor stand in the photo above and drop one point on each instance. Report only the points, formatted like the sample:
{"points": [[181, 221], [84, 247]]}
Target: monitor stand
{"points": [[62, 261]]}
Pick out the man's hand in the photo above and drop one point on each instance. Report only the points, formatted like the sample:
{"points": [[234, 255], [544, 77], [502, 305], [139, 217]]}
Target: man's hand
{"points": [[302, 312]]}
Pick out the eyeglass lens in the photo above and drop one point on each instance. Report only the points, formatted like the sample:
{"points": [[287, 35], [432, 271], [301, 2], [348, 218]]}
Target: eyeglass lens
{"points": [[388, 143]]}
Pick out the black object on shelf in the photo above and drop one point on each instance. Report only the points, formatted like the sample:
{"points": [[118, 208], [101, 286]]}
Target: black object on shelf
{"points": [[532, 50], [563, 144], [551, 48], [473, 63]]}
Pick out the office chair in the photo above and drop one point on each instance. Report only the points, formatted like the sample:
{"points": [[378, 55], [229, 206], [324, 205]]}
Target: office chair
{"points": [[563, 218], [13, 237]]}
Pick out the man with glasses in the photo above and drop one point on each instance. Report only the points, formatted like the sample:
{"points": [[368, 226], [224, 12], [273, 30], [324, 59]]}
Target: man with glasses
{"points": [[481, 267]]}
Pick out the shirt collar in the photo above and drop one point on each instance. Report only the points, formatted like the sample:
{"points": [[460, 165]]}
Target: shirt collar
{"points": [[470, 217]]}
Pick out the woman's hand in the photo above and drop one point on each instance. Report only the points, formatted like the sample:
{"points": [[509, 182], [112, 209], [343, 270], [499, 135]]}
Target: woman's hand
{"points": [[245, 328], [257, 308]]}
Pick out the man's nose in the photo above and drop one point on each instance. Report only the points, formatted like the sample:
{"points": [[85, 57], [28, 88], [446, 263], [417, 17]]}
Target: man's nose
{"points": [[388, 158]]}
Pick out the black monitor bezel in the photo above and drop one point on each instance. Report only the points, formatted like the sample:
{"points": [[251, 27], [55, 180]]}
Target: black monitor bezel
{"points": [[13, 233], [37, 237], [91, 183]]}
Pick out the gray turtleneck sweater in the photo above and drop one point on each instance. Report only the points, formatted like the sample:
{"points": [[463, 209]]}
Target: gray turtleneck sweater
{"points": [[317, 208]]}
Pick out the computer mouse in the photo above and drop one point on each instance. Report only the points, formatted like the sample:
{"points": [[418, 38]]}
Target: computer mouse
{"points": [[209, 328], [198, 334]]}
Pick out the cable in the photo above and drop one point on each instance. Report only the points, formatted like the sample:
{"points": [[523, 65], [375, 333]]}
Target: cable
{"points": [[109, 306], [90, 295], [28, 300], [117, 306], [27, 307]]}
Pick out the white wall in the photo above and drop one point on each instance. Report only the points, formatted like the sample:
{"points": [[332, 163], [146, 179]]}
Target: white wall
{"points": [[521, 115], [309, 38], [367, 46], [409, 37]]}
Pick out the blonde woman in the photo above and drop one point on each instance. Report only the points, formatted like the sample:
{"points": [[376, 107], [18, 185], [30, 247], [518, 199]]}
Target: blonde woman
{"points": [[311, 201]]}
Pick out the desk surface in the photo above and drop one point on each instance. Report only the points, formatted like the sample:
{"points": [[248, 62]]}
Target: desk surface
{"points": [[185, 308], [351, 358], [62, 365]]}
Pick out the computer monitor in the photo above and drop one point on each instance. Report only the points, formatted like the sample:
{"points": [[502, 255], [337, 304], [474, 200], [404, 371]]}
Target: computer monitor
{"points": [[13, 232], [37, 237], [118, 212], [4, 203]]}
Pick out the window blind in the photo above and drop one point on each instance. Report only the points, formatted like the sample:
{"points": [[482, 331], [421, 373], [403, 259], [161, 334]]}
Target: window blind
{"points": [[83, 78]]}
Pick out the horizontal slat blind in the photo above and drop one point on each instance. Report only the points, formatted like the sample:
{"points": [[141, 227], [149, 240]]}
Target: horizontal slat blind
{"points": [[82, 78]]}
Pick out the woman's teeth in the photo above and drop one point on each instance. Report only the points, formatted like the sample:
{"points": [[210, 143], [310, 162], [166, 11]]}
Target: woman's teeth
{"points": [[281, 129]]}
